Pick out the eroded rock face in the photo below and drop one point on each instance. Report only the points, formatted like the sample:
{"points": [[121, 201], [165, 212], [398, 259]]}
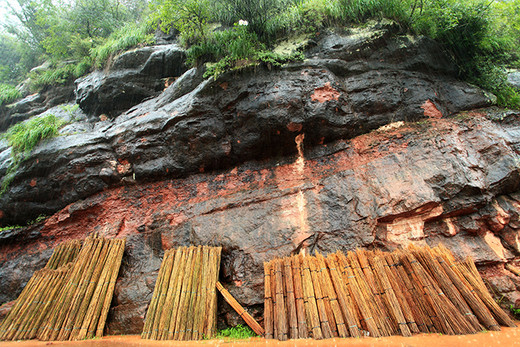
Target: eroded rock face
{"points": [[132, 77], [454, 181], [352, 83], [354, 147]]}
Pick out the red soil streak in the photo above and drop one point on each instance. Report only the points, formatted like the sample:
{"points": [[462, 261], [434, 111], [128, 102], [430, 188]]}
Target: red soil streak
{"points": [[430, 110], [136, 205], [33, 182], [294, 127], [325, 93]]}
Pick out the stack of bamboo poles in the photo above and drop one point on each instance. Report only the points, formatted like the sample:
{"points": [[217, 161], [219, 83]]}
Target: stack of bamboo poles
{"points": [[372, 293], [184, 302], [71, 302]]}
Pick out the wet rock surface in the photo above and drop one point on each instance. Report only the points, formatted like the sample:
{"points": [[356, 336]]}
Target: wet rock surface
{"points": [[454, 181], [132, 77], [361, 145], [200, 125]]}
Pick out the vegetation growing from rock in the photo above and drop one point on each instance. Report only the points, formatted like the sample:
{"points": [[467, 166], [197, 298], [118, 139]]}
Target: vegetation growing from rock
{"points": [[24, 137], [8, 93], [482, 37]]}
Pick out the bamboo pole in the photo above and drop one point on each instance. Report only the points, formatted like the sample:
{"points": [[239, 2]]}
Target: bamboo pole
{"points": [[250, 321], [268, 302], [347, 306], [391, 298], [387, 325], [273, 294], [94, 308], [291, 302], [298, 293], [176, 311], [165, 317], [152, 308], [478, 307], [281, 314], [356, 293], [328, 290], [401, 292], [311, 306], [116, 264]]}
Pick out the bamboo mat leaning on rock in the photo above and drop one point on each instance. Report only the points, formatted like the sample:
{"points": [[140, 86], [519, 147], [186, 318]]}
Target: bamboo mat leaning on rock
{"points": [[373, 293], [184, 302], [69, 299]]}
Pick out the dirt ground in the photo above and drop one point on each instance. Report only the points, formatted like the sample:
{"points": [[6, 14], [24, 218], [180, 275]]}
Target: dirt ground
{"points": [[506, 337]]}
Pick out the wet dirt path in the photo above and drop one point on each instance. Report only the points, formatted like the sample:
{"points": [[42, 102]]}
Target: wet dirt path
{"points": [[506, 337]]}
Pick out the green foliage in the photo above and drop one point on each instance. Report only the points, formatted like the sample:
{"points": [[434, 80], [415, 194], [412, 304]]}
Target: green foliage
{"points": [[38, 219], [8, 94], [190, 17], [236, 333], [236, 43], [62, 73], [131, 35], [515, 311], [23, 137]]}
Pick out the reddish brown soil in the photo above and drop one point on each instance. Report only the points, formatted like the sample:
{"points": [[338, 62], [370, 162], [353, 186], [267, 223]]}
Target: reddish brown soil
{"points": [[506, 337]]}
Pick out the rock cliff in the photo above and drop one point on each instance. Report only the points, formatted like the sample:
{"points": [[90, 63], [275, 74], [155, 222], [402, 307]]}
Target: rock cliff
{"points": [[370, 142]]}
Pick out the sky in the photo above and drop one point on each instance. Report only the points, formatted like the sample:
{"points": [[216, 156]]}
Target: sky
{"points": [[4, 10]]}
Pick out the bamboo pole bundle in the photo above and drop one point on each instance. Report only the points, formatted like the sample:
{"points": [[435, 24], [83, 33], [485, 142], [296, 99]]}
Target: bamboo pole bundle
{"points": [[328, 291], [477, 286], [268, 302], [198, 325], [328, 325], [273, 294], [177, 290], [184, 302], [345, 302], [472, 299], [401, 292], [211, 299], [79, 294], [356, 292], [49, 279], [429, 262], [298, 293], [59, 314], [291, 302], [90, 287], [428, 312], [56, 304], [281, 314], [451, 319], [469, 270], [196, 280], [380, 306], [152, 308], [29, 301], [168, 260], [380, 320], [250, 321], [165, 317], [50, 299], [391, 298], [311, 306]]}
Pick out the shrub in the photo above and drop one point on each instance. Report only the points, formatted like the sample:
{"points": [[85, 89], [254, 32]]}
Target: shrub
{"points": [[237, 332], [8, 94]]}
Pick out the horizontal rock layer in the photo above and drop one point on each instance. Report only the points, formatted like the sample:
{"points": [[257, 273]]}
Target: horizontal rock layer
{"points": [[453, 180], [352, 82]]}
